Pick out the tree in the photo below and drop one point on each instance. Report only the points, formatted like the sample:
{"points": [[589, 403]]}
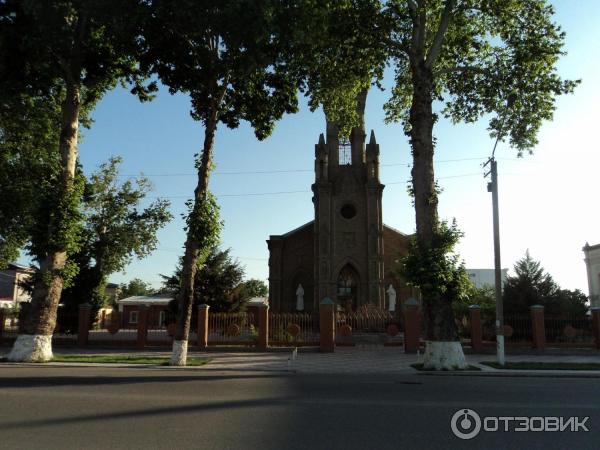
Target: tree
{"points": [[218, 283], [75, 51], [470, 56], [28, 162], [135, 287], [532, 285], [115, 229], [223, 56], [255, 288]]}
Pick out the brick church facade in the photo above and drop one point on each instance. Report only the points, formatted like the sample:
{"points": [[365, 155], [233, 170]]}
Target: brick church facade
{"points": [[346, 253]]}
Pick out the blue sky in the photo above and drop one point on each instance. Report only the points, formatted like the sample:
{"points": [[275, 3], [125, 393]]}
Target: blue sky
{"points": [[547, 201]]}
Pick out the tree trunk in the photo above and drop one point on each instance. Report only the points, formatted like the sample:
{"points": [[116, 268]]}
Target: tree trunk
{"points": [[34, 342], [443, 347], [192, 250]]}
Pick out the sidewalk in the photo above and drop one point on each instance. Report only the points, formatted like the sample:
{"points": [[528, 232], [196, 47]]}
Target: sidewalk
{"points": [[354, 360]]}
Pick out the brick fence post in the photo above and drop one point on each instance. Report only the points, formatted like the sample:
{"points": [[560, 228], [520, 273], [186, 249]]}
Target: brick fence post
{"points": [[83, 330], [142, 327], [476, 328], [412, 326], [203, 326], [263, 327], [2, 319], [596, 325], [538, 327], [327, 325]]}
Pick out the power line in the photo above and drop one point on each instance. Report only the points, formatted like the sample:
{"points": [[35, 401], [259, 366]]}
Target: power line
{"points": [[304, 191], [276, 171]]}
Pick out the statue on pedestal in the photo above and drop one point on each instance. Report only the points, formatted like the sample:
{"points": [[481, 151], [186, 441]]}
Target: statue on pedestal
{"points": [[300, 298], [391, 292]]}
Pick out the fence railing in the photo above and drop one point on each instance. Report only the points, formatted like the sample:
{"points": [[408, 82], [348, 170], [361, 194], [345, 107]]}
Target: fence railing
{"points": [[231, 327], [293, 328], [366, 322], [569, 330], [370, 326]]}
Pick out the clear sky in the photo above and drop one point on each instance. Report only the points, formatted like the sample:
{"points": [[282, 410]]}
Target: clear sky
{"points": [[547, 200]]}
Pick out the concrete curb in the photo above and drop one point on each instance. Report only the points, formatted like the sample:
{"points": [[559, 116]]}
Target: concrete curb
{"points": [[519, 373]]}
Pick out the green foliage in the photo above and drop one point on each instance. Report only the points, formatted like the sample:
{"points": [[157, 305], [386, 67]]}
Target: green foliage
{"points": [[490, 51], [94, 44], [29, 162], [203, 223], [60, 56], [336, 49], [223, 55], [135, 287], [115, 230], [218, 283], [484, 297], [255, 288], [434, 269], [532, 285]]}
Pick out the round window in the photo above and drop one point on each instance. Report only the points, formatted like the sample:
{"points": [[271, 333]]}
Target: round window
{"points": [[348, 211]]}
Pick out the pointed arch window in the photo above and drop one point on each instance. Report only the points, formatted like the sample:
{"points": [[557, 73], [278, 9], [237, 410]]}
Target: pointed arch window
{"points": [[345, 152], [347, 281]]}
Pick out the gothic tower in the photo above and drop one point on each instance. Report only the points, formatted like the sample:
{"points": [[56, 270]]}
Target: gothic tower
{"points": [[348, 227]]}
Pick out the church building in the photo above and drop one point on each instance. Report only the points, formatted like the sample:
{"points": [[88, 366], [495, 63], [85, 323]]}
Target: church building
{"points": [[346, 253]]}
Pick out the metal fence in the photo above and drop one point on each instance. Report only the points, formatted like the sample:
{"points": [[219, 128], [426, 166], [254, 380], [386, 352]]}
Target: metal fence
{"points": [[366, 322], [282, 330], [517, 329], [231, 327], [569, 330]]}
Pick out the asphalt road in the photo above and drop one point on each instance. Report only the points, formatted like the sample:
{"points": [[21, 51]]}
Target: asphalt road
{"points": [[73, 408]]}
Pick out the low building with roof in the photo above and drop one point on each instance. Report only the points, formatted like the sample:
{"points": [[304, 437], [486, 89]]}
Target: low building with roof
{"points": [[158, 307]]}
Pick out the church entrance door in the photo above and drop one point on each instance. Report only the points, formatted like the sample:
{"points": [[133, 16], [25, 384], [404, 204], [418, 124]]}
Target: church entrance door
{"points": [[347, 288]]}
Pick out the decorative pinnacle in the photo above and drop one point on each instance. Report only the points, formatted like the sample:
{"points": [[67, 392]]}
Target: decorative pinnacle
{"points": [[321, 139], [372, 139]]}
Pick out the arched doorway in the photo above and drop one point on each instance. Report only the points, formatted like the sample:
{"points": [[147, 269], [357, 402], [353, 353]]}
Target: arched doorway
{"points": [[347, 288]]}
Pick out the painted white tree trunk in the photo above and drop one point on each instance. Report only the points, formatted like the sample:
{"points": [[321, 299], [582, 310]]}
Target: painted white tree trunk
{"points": [[31, 348], [444, 355], [179, 355]]}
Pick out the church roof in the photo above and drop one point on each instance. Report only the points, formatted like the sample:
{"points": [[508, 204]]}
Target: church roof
{"points": [[295, 230], [310, 224], [395, 230]]}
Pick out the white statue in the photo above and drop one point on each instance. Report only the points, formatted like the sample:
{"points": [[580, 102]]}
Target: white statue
{"points": [[391, 292], [300, 298]]}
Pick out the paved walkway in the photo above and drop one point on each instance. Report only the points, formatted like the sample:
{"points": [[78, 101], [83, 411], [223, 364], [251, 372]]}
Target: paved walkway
{"points": [[351, 360]]}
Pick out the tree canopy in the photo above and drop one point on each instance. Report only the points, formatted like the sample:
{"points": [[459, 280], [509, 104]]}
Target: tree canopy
{"points": [[135, 287], [532, 285], [115, 230], [219, 283]]}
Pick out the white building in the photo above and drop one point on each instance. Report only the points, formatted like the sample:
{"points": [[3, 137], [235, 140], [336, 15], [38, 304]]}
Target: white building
{"points": [[11, 289], [485, 277], [592, 263]]}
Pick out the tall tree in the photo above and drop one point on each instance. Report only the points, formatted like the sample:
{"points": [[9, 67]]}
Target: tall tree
{"points": [[78, 49], [469, 56], [222, 55], [115, 229], [29, 129], [532, 285], [218, 282]]}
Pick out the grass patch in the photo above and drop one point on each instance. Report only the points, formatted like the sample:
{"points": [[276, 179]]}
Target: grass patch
{"points": [[124, 359], [420, 367], [527, 365]]}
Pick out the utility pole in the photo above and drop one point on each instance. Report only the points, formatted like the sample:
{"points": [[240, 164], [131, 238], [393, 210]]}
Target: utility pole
{"points": [[493, 188]]}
